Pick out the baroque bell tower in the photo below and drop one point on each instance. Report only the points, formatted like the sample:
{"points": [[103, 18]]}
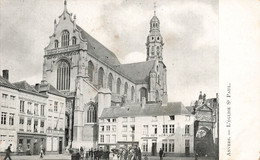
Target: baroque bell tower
{"points": [[154, 44]]}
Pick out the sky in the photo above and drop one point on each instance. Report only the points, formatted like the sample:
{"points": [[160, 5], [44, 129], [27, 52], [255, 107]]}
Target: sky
{"points": [[189, 29]]}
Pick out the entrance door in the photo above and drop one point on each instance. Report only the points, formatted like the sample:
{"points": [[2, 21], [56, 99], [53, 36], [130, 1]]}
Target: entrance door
{"points": [[187, 151], [154, 149], [35, 148], [60, 146]]}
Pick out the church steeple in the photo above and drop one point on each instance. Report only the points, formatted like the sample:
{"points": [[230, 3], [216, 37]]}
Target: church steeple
{"points": [[154, 44]]}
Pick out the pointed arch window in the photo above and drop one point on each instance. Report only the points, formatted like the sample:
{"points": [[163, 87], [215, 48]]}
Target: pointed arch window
{"points": [[158, 50], [92, 114], [152, 50], [65, 38], [118, 84], [56, 44], [143, 93], [63, 76], [100, 77], [110, 81], [132, 93], [126, 88], [90, 71], [74, 40]]}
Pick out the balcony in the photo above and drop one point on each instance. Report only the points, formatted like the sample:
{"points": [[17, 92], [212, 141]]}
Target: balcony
{"points": [[63, 49]]}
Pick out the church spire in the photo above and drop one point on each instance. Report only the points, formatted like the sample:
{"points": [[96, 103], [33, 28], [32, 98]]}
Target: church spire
{"points": [[65, 5], [154, 8]]}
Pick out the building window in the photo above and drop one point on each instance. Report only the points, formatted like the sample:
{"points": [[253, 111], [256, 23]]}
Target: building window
{"points": [[187, 143], [74, 40], [4, 100], [132, 93], [145, 145], [113, 120], [3, 118], [110, 81], [165, 128], [42, 127], [172, 117], [36, 109], [100, 77], [50, 106], [124, 119], [171, 145], [42, 110], [108, 128], [21, 122], [35, 128], [171, 128], [65, 38], [108, 120], [11, 119], [158, 49], [187, 129], [55, 106], [132, 119], [29, 109], [56, 44], [90, 71], [143, 93], [155, 129], [118, 84], [154, 119], [21, 106], [113, 138], [114, 128], [63, 76], [152, 50], [124, 137], [124, 128], [126, 88], [107, 138], [187, 118], [102, 128], [145, 129], [12, 98], [29, 123], [164, 145], [92, 115], [102, 138]]}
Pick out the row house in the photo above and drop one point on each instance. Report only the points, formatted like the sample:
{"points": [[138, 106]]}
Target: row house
{"points": [[31, 117], [151, 126]]}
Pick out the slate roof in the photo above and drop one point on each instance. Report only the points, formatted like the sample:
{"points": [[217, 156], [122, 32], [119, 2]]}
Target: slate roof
{"points": [[5, 83], [138, 72], [99, 51], [24, 86], [153, 109], [50, 89]]}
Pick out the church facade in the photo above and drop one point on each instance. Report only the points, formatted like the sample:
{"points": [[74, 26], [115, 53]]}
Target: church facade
{"points": [[92, 78]]}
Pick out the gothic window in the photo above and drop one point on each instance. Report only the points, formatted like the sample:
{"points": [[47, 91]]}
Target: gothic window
{"points": [[100, 77], [74, 40], [90, 71], [152, 50], [110, 81], [63, 76], [143, 93], [118, 84], [56, 44], [132, 93], [65, 38], [126, 88], [92, 115]]}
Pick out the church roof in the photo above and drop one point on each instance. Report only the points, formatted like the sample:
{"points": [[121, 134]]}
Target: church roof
{"points": [[5, 83], [138, 72], [99, 51], [150, 109]]}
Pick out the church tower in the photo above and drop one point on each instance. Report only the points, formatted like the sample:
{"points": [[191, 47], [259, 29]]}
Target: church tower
{"points": [[154, 44]]}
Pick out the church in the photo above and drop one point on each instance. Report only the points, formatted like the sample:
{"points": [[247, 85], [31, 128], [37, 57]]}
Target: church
{"points": [[93, 79]]}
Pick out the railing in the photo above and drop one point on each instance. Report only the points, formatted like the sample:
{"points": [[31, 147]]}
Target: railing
{"points": [[63, 49]]}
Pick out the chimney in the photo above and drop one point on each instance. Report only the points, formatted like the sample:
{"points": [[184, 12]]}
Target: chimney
{"points": [[143, 102], [200, 96], [6, 74], [37, 86]]}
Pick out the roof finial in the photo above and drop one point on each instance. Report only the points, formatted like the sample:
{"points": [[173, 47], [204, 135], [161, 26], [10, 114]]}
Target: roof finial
{"points": [[154, 8], [65, 4]]}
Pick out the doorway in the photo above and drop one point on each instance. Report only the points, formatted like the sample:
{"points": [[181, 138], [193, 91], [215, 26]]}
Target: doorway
{"points": [[187, 151], [154, 148], [60, 145]]}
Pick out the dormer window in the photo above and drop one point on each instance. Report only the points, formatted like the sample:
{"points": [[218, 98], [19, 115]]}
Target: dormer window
{"points": [[74, 40], [65, 38], [56, 44]]}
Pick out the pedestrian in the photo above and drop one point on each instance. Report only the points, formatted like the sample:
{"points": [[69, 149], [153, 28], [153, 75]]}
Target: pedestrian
{"points": [[196, 156], [91, 154], [145, 157], [95, 154], [41, 152], [8, 152], [161, 154], [87, 155], [138, 153]]}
